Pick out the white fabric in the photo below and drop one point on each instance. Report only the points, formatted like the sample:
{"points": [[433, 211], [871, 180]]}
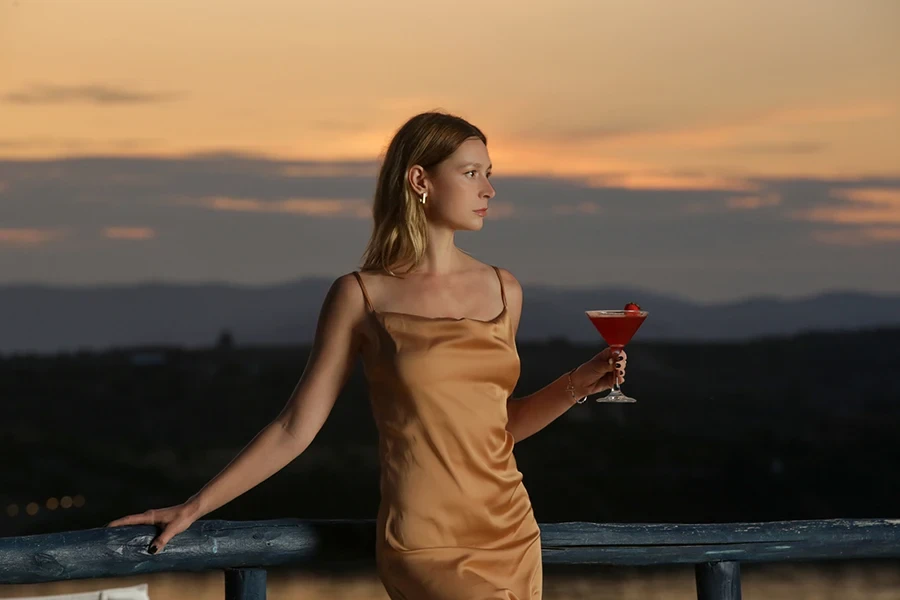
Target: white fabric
{"points": [[137, 592]]}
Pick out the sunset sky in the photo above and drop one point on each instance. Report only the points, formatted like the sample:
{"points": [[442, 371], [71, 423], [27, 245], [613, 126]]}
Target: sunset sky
{"points": [[713, 150]]}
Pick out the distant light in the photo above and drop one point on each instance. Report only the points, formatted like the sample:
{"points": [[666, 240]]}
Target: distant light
{"points": [[32, 508], [52, 503], [12, 510], [66, 502], [78, 501]]}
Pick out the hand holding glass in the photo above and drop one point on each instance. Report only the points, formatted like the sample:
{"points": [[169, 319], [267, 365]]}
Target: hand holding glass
{"points": [[617, 327]]}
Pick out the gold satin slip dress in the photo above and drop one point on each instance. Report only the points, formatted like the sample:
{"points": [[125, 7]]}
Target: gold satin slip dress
{"points": [[455, 521]]}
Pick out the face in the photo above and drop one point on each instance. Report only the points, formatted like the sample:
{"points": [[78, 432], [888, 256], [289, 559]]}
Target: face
{"points": [[457, 187]]}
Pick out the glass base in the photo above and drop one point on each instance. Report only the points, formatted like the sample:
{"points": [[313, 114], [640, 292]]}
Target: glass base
{"points": [[615, 396]]}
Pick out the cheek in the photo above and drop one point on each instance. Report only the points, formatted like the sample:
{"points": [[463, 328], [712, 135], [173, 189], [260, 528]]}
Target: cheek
{"points": [[451, 198], [449, 188]]}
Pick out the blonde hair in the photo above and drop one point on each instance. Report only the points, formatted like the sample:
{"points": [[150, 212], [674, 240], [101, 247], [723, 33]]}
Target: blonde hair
{"points": [[399, 233]]}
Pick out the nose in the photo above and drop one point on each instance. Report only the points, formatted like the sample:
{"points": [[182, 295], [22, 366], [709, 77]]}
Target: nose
{"points": [[490, 192]]}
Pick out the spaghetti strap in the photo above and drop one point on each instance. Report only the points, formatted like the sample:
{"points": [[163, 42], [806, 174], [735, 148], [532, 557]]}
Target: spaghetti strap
{"points": [[502, 290], [362, 286]]}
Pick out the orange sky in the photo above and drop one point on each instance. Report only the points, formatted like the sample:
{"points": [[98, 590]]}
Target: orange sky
{"points": [[642, 94], [739, 148]]}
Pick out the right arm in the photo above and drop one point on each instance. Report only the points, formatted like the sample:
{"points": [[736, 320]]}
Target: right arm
{"points": [[331, 359]]}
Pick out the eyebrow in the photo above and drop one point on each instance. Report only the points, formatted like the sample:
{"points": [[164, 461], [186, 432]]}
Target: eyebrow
{"points": [[477, 164]]}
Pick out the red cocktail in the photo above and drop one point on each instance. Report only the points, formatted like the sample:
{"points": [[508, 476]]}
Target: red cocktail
{"points": [[617, 327]]}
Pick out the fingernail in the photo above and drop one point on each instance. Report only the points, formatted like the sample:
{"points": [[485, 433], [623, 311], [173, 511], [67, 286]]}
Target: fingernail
{"points": [[618, 365], [610, 361], [153, 549]]}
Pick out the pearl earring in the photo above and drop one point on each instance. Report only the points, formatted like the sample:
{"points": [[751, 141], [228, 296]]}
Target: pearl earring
{"points": [[422, 199]]}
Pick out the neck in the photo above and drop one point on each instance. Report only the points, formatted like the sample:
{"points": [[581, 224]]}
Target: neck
{"points": [[441, 255]]}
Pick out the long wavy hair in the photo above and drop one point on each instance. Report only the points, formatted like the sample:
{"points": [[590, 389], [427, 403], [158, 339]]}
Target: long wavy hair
{"points": [[399, 233]]}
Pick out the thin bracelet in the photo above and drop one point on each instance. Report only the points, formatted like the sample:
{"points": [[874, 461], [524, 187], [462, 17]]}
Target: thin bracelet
{"points": [[571, 387]]}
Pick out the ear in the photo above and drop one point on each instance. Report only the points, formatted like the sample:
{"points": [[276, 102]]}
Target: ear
{"points": [[418, 179]]}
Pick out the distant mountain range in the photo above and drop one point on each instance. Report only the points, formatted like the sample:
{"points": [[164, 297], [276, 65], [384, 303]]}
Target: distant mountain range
{"points": [[48, 319]]}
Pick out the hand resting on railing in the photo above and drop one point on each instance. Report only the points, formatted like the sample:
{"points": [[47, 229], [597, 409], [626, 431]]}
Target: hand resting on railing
{"points": [[172, 520]]}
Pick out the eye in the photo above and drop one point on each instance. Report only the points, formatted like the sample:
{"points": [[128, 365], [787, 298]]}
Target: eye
{"points": [[473, 171]]}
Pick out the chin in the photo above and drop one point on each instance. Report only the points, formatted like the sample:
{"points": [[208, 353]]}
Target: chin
{"points": [[474, 226]]}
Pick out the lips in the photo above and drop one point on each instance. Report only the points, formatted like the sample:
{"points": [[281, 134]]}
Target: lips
{"points": [[480, 211]]}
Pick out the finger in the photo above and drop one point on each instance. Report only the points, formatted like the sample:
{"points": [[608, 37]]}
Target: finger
{"points": [[604, 384], [162, 540], [158, 543], [606, 354], [607, 382], [141, 519], [601, 364]]}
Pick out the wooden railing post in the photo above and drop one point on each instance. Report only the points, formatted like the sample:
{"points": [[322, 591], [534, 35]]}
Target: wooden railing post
{"points": [[245, 584], [719, 580]]}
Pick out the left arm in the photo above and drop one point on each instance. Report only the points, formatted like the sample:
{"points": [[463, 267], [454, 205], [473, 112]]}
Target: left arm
{"points": [[530, 414]]}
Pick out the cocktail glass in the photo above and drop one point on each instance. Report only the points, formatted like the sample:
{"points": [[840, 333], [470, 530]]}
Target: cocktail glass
{"points": [[617, 327]]}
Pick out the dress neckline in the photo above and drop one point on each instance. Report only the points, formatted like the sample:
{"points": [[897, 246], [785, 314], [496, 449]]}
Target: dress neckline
{"points": [[376, 313], [452, 319]]}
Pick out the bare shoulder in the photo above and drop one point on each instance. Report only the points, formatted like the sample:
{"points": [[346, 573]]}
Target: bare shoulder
{"points": [[347, 287], [513, 295], [511, 285], [345, 300]]}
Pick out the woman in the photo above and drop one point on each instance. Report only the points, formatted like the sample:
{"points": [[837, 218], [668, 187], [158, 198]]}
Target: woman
{"points": [[436, 331]]}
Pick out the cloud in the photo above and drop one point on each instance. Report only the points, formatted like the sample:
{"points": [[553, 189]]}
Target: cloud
{"points": [[41, 94], [793, 148], [591, 133], [79, 145], [656, 180], [313, 207], [28, 237], [752, 202], [732, 203], [863, 206], [889, 196], [757, 132], [252, 219], [817, 115], [129, 233], [582, 208], [864, 236], [359, 169]]}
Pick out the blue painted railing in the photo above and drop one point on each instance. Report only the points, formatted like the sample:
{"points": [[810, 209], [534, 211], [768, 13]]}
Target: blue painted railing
{"points": [[243, 549]]}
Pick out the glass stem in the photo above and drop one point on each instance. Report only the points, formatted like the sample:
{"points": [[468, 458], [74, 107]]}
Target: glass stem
{"points": [[615, 387]]}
